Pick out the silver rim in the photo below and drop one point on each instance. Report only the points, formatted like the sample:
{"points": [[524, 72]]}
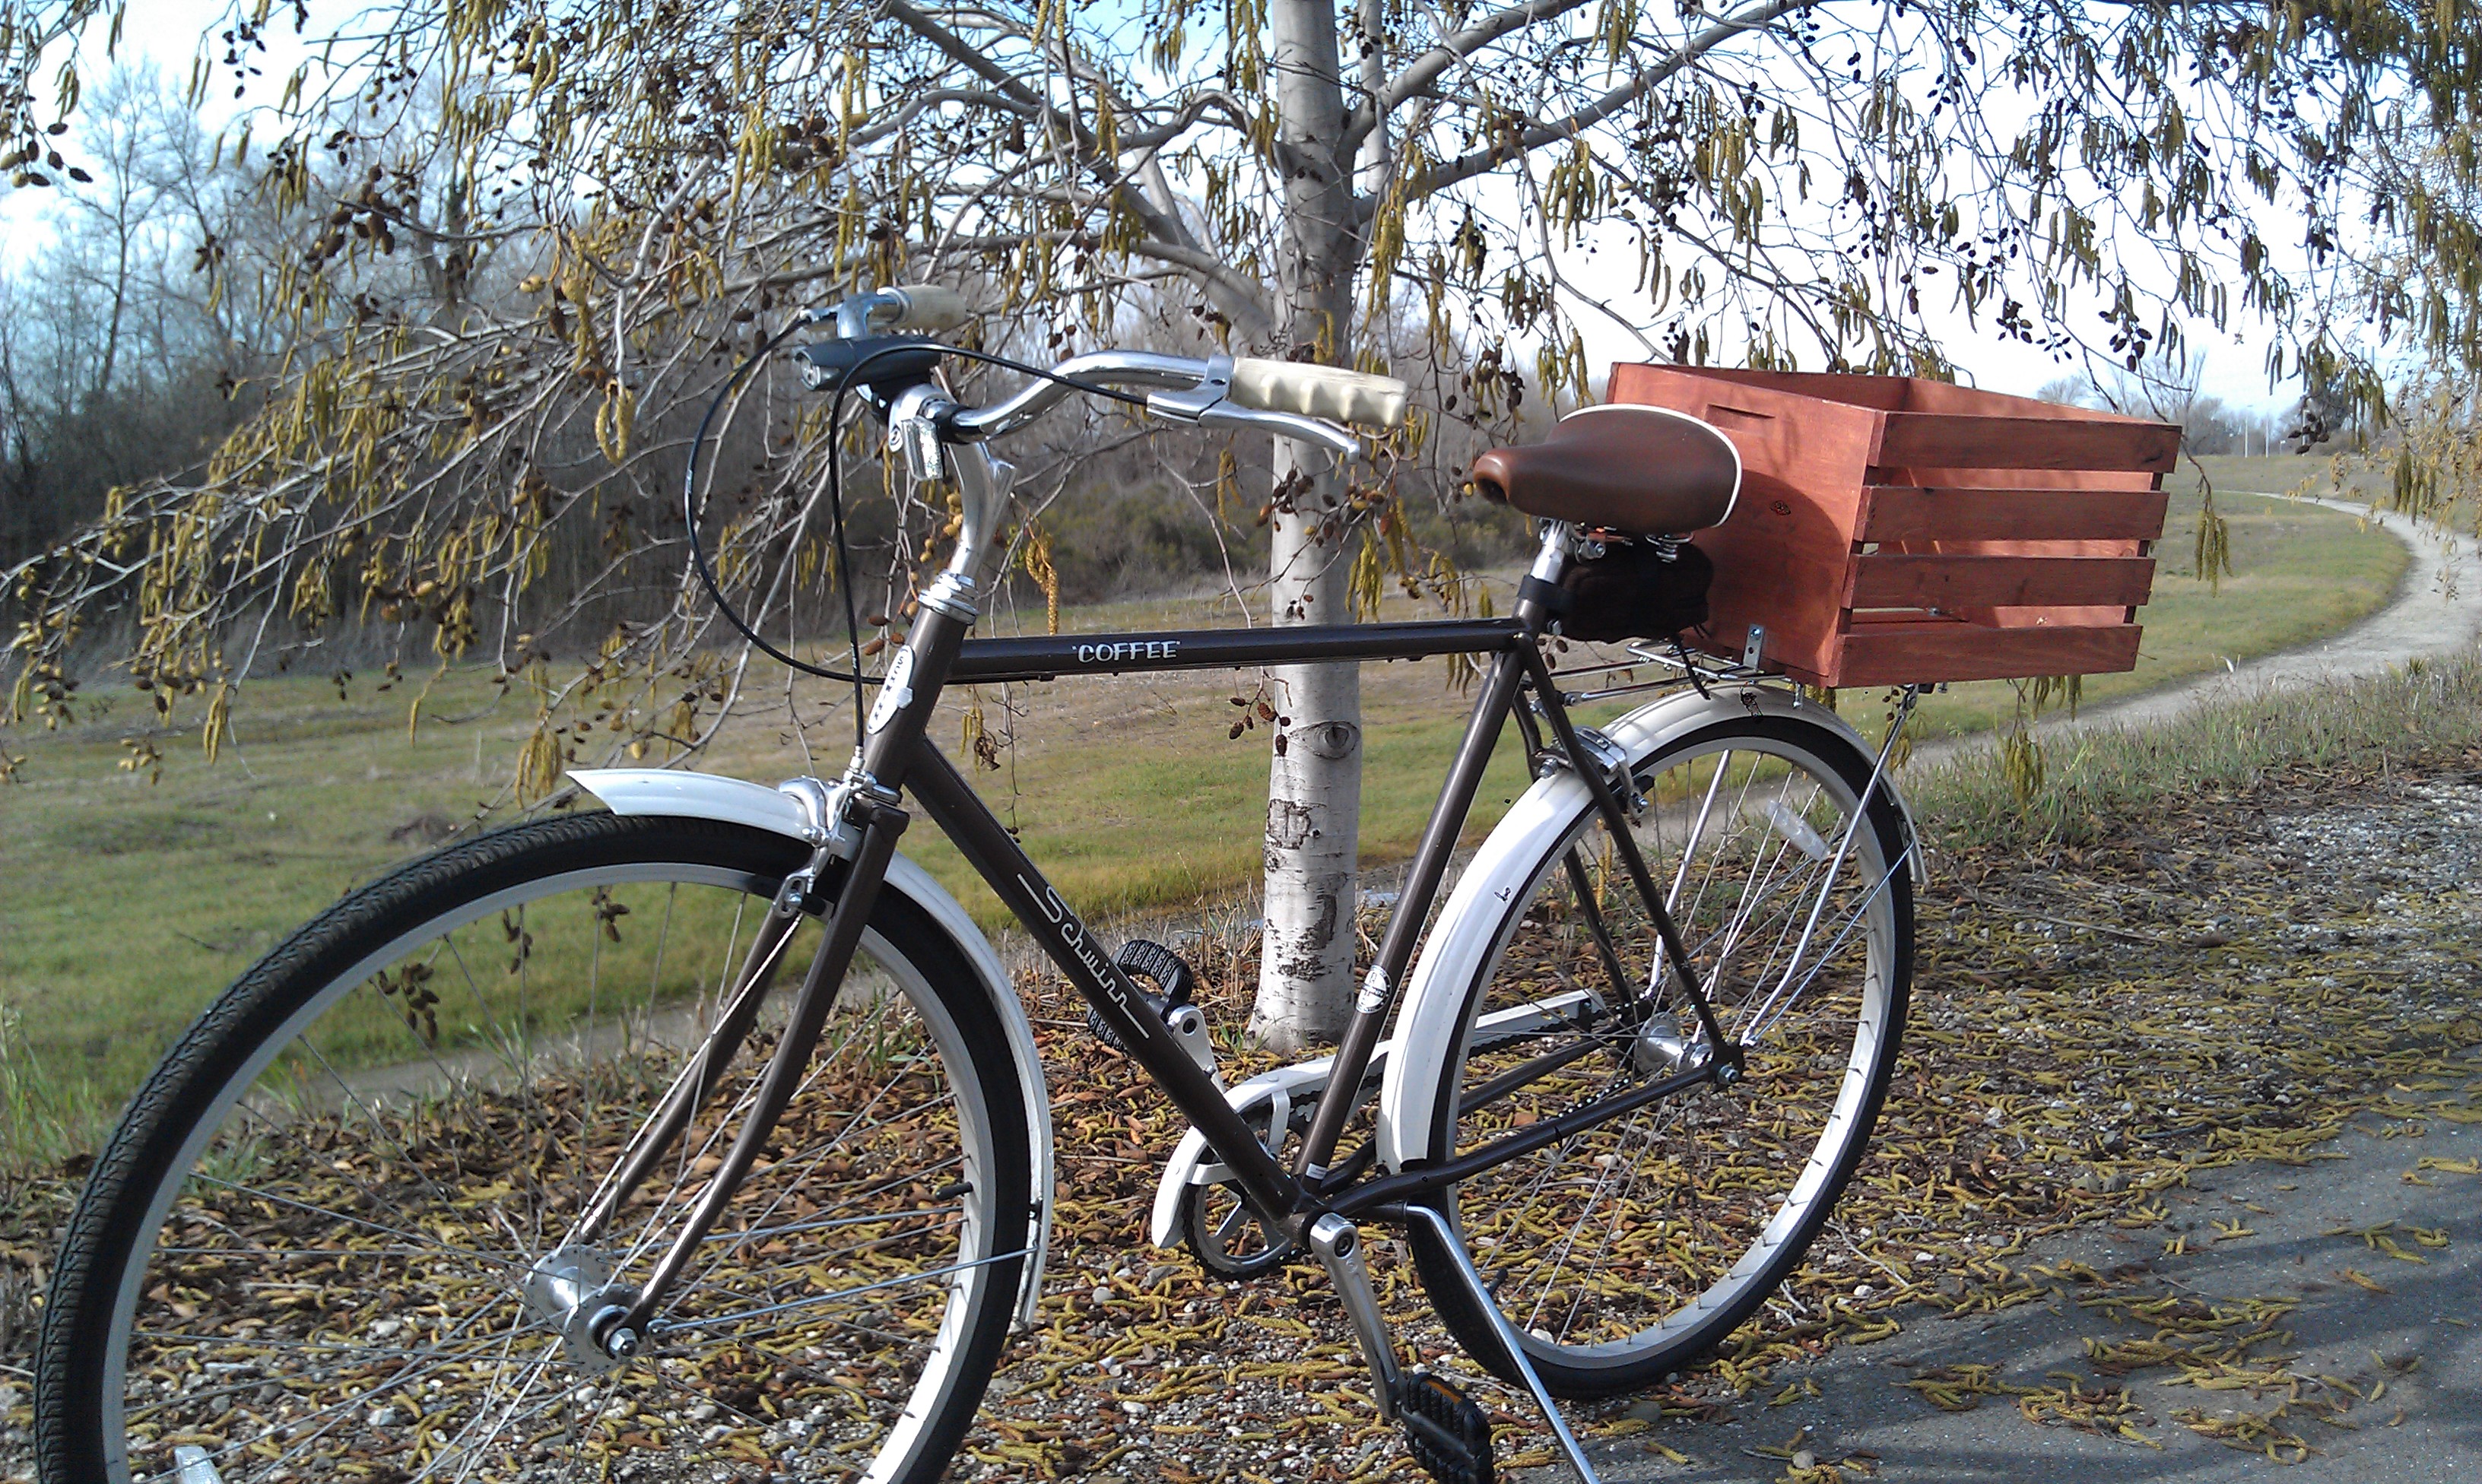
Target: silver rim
{"points": [[1643, 1232], [337, 1275]]}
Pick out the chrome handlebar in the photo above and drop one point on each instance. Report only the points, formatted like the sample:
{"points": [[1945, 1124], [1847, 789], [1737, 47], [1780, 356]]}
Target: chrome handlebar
{"points": [[940, 440], [1292, 400], [1102, 368], [1186, 389], [1194, 391]]}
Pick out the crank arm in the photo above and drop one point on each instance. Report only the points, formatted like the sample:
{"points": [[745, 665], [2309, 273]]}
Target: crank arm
{"points": [[1339, 1249]]}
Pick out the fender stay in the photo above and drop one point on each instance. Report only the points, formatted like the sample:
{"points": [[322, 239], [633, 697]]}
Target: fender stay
{"points": [[1462, 945]]}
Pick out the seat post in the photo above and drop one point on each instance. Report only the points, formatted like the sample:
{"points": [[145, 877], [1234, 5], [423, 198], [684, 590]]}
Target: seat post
{"points": [[1551, 558], [1539, 597]]}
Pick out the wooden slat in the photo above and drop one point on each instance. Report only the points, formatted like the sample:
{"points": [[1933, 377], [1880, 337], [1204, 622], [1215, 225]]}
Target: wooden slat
{"points": [[1962, 441], [1891, 580], [1881, 394], [2021, 522], [1782, 557], [1908, 654], [1924, 396], [1897, 512]]}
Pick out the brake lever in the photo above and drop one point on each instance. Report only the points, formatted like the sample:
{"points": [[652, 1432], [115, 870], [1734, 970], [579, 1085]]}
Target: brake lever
{"points": [[1283, 424]]}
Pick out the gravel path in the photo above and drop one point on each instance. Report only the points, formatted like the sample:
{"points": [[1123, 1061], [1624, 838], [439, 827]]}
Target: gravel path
{"points": [[2310, 1313], [2437, 610]]}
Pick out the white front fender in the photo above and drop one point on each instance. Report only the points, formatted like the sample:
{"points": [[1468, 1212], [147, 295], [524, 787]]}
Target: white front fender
{"points": [[647, 791], [1461, 948]]}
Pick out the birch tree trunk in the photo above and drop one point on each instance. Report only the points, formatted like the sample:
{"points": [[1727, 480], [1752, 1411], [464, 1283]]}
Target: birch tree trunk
{"points": [[1315, 783]]}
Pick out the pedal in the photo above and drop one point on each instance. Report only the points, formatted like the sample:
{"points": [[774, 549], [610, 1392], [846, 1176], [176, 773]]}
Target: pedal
{"points": [[1444, 1431], [1174, 981]]}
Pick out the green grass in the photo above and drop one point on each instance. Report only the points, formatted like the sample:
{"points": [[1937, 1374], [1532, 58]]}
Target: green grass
{"points": [[124, 904], [2426, 711]]}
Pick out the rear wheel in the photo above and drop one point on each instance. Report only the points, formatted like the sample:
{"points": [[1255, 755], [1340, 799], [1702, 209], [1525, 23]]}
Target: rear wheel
{"points": [[1635, 1246], [332, 1235]]}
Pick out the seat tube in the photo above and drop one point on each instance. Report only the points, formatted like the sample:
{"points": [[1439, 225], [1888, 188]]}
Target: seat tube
{"points": [[1381, 985], [1535, 600]]}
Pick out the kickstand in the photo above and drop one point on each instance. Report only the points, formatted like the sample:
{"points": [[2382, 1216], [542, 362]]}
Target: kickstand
{"points": [[1507, 1332]]}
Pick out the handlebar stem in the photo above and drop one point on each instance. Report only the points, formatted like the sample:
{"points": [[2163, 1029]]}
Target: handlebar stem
{"points": [[856, 313], [984, 486]]}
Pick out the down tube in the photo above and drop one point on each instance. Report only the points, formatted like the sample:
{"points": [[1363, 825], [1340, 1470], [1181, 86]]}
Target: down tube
{"points": [[952, 805]]}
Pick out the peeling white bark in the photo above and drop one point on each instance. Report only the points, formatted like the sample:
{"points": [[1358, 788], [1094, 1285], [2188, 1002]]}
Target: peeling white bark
{"points": [[1313, 792], [1315, 780]]}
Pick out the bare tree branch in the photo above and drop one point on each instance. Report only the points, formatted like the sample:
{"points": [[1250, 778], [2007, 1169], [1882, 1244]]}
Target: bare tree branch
{"points": [[1524, 142], [1427, 68]]}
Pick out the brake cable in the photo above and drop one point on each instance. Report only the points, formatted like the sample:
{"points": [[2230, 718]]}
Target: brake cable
{"points": [[835, 492]]}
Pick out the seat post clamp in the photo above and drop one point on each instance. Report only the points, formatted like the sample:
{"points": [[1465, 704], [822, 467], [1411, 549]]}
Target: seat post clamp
{"points": [[1554, 598]]}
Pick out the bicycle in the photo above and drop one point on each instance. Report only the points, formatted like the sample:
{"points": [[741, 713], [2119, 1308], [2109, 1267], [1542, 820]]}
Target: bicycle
{"points": [[515, 1161]]}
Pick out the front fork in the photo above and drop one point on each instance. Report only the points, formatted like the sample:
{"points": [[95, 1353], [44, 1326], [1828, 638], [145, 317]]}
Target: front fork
{"points": [[861, 821], [619, 1317]]}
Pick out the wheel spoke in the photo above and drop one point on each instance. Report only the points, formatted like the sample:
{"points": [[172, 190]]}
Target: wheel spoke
{"points": [[373, 1259], [1637, 1242]]}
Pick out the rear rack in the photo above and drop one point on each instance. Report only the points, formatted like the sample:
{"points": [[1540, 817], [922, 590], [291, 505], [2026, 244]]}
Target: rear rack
{"points": [[1690, 668]]}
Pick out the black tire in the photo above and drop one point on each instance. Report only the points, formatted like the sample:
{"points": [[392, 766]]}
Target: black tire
{"points": [[282, 1200], [1636, 1247]]}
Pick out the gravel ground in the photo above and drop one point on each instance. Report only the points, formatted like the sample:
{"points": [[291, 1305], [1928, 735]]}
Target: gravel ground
{"points": [[2309, 1313]]}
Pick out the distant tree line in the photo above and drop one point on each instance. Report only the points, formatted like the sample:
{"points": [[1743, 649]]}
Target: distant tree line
{"points": [[137, 337], [118, 360], [2168, 388]]}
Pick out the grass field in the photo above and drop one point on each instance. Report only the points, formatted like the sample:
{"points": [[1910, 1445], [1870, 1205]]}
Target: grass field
{"points": [[126, 904]]}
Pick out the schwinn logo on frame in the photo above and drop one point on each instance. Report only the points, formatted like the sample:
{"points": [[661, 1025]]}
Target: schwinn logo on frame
{"points": [[1128, 649], [1082, 944]]}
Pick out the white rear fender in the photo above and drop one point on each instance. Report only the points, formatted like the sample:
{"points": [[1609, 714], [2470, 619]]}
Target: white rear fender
{"points": [[635, 790], [1461, 948]]}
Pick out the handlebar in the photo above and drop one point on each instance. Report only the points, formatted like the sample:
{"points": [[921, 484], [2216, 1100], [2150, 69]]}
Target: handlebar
{"points": [[1289, 398], [922, 308], [1102, 368], [1328, 392]]}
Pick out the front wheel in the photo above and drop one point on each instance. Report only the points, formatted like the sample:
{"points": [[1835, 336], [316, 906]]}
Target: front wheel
{"points": [[339, 1234], [1631, 1249]]}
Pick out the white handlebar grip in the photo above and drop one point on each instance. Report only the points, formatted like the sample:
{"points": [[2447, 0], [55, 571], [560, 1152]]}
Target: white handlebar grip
{"points": [[930, 306], [1330, 392]]}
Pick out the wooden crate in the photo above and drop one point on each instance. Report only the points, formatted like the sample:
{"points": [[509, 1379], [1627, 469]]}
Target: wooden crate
{"points": [[1893, 531]]}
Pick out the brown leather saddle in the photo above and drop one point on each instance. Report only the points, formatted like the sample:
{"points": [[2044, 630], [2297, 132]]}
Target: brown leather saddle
{"points": [[1646, 471]]}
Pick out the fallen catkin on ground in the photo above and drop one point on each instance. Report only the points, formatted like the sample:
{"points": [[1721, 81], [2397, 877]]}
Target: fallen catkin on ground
{"points": [[2226, 976]]}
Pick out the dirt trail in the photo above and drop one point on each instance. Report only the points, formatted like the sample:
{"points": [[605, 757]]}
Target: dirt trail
{"points": [[2437, 611]]}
